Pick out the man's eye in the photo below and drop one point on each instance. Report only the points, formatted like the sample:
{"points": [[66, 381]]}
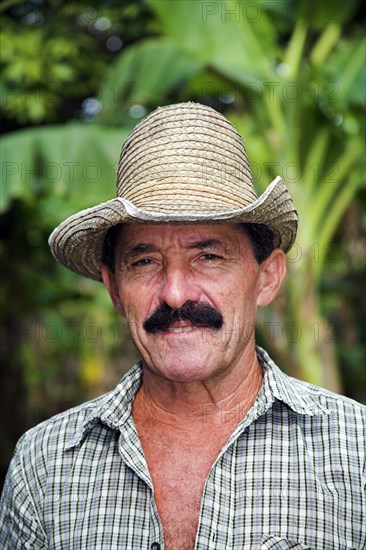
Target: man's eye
{"points": [[141, 263], [210, 257]]}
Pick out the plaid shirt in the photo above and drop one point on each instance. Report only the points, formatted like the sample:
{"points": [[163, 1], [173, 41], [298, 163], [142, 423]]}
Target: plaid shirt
{"points": [[291, 475]]}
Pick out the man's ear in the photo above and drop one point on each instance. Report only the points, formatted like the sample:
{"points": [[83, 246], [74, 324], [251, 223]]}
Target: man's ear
{"points": [[109, 280], [273, 271]]}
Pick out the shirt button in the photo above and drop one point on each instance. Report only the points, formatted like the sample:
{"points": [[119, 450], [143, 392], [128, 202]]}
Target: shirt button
{"points": [[155, 546]]}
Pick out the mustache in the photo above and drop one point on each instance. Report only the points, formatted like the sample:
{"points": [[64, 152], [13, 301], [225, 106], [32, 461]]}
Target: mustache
{"points": [[199, 314]]}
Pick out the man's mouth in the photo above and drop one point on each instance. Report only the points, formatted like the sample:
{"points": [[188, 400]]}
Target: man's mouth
{"points": [[181, 326], [188, 328]]}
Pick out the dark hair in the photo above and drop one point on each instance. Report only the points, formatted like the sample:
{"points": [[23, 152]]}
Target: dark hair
{"points": [[109, 247], [261, 238]]}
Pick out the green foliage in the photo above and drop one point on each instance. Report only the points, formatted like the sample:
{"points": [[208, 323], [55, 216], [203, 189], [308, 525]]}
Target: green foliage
{"points": [[131, 80], [54, 54], [73, 166], [37, 70]]}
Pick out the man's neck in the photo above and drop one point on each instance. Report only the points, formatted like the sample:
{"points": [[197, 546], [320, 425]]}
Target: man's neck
{"points": [[196, 406]]}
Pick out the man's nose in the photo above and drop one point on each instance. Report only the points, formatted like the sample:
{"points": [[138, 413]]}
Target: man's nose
{"points": [[178, 286]]}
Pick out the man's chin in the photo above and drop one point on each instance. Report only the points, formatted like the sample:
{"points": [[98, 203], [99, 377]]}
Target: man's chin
{"points": [[184, 369]]}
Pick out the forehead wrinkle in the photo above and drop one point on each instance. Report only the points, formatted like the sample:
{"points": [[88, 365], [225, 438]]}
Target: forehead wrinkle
{"points": [[205, 243]]}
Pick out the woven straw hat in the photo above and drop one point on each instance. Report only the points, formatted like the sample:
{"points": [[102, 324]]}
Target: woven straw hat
{"points": [[183, 163]]}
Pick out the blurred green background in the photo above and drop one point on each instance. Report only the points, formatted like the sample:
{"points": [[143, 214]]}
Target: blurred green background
{"points": [[77, 77]]}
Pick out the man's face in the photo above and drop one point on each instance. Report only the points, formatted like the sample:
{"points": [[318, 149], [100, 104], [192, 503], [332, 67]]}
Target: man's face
{"points": [[209, 268]]}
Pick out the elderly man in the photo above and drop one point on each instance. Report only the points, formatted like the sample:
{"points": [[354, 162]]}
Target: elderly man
{"points": [[205, 443]]}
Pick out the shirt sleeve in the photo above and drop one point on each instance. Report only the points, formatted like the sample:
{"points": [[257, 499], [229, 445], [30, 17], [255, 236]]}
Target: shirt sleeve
{"points": [[20, 527]]}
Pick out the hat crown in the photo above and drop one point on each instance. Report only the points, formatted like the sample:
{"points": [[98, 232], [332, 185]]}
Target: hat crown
{"points": [[187, 156]]}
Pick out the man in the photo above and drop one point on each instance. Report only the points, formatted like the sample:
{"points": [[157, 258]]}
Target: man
{"points": [[206, 443]]}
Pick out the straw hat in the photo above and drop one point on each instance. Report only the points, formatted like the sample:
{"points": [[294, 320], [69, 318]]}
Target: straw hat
{"points": [[183, 163]]}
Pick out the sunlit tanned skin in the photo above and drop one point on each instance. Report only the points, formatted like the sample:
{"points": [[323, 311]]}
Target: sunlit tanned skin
{"points": [[198, 382]]}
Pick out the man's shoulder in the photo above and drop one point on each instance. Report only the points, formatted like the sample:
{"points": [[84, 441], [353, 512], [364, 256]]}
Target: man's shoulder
{"points": [[46, 453], [61, 427], [66, 429], [335, 402], [308, 399], [329, 424], [333, 412]]}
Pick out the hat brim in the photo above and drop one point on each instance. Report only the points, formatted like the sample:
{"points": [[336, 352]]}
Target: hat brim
{"points": [[77, 243]]}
